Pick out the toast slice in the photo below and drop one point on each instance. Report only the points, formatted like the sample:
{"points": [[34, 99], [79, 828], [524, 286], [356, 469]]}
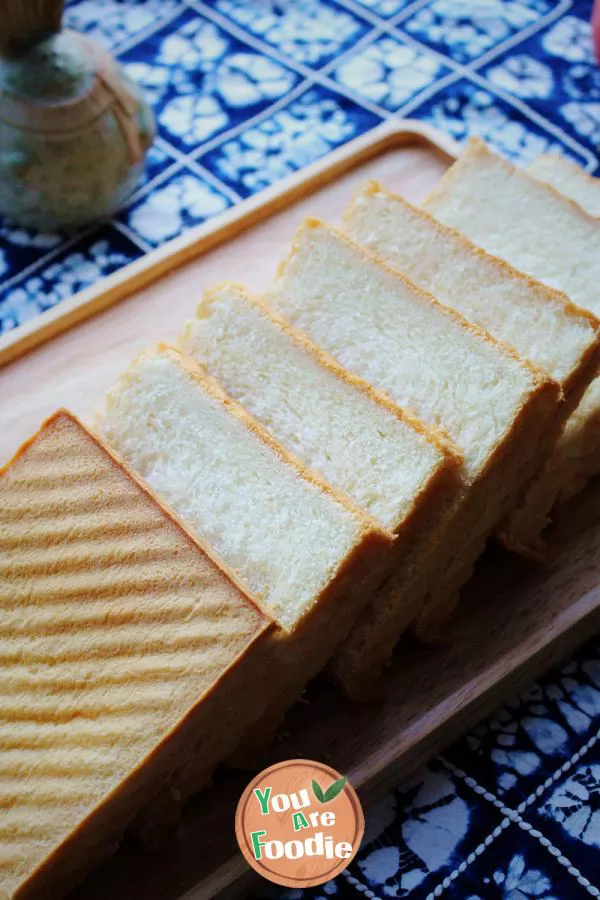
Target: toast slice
{"points": [[511, 214], [549, 237], [568, 179], [310, 556], [121, 642], [384, 329], [384, 459], [575, 460]]}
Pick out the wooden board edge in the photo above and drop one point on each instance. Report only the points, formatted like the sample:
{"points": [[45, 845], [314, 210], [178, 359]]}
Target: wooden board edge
{"points": [[205, 237]]}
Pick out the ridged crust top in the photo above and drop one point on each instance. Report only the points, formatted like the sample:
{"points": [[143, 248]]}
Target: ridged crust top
{"points": [[114, 627]]}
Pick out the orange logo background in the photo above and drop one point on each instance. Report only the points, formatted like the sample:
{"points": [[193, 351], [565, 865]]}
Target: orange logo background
{"points": [[328, 829]]}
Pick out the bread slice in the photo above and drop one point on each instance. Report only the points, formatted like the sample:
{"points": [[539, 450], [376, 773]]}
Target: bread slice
{"points": [[510, 213], [303, 549], [568, 179], [540, 323], [576, 458], [385, 460], [383, 328], [121, 644]]}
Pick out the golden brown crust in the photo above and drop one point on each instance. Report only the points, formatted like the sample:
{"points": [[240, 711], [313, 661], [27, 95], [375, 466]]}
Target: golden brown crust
{"points": [[160, 501], [161, 775]]}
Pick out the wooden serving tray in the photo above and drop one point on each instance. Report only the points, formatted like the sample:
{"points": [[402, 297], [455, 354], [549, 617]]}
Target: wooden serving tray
{"points": [[515, 620]]}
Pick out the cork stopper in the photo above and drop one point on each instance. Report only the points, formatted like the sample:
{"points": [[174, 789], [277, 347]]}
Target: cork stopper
{"points": [[26, 22]]}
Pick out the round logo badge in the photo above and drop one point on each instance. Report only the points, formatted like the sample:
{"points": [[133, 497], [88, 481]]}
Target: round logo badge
{"points": [[299, 823]]}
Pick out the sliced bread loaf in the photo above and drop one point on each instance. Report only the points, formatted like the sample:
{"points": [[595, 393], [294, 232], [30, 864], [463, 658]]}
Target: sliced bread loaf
{"points": [[510, 213], [121, 643], [568, 179], [428, 358], [542, 324], [385, 460], [308, 554]]}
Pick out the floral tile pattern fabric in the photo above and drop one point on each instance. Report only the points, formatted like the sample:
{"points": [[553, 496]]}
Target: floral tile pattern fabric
{"points": [[202, 81], [509, 812], [390, 72], [183, 200], [246, 92], [464, 109], [78, 265], [313, 32], [558, 63], [303, 131], [466, 29]]}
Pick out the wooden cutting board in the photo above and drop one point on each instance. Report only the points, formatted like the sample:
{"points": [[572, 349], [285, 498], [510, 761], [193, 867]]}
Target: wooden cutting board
{"points": [[515, 620]]}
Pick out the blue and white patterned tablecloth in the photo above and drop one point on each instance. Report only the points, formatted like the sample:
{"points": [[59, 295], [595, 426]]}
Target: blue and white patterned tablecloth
{"points": [[510, 812], [247, 91]]}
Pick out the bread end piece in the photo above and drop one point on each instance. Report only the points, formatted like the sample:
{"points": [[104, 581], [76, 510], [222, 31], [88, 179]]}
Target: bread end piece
{"points": [[119, 574]]}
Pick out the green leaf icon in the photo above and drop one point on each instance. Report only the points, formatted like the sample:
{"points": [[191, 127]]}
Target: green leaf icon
{"points": [[318, 792], [334, 789]]}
